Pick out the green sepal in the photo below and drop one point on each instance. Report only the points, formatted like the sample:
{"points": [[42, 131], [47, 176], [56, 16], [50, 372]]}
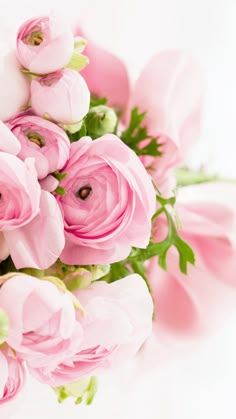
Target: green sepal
{"points": [[4, 326], [82, 390], [77, 61], [60, 191]]}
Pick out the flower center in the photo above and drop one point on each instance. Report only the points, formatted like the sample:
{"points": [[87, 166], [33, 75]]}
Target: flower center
{"points": [[84, 192], [35, 138], [35, 38]]}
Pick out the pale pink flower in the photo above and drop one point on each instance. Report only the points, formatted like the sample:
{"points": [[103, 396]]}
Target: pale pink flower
{"points": [[43, 328], [12, 383], [14, 85], [200, 302], [44, 44], [170, 89], [117, 320], [62, 96], [108, 204], [8, 142], [31, 227], [43, 140]]}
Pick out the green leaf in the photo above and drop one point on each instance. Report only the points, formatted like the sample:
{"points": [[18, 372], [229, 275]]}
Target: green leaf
{"points": [[96, 101], [78, 134], [161, 249], [78, 61], [136, 133], [82, 390], [60, 191], [117, 271]]}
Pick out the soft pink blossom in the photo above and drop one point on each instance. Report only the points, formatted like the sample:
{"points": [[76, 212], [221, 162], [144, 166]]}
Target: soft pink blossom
{"points": [[62, 96], [170, 89], [44, 44], [43, 140], [8, 142], [108, 204], [14, 85], [12, 383], [201, 301], [117, 320], [43, 327], [31, 227], [106, 75]]}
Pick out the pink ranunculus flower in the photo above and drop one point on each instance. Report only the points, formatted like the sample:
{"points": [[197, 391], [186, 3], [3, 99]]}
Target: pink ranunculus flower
{"points": [[170, 89], [196, 304], [14, 85], [108, 204], [62, 96], [43, 328], [12, 383], [117, 320], [44, 44], [43, 140], [31, 227]]}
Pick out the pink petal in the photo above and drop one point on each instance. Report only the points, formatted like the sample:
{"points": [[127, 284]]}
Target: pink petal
{"points": [[8, 142], [39, 243], [106, 75], [170, 89]]}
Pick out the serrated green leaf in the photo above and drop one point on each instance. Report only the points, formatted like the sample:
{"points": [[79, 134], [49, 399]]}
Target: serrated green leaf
{"points": [[136, 133]]}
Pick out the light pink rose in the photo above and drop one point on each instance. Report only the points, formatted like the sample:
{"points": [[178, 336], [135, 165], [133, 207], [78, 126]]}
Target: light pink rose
{"points": [[14, 86], [117, 320], [43, 140], [62, 96], [43, 327], [12, 383], [31, 228], [199, 303], [44, 44], [108, 204]]}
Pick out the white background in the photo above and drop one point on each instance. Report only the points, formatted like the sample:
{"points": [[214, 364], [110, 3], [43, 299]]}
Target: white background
{"points": [[201, 383]]}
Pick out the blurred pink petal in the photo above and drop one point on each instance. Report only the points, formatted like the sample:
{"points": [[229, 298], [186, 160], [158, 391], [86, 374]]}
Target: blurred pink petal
{"points": [[200, 302], [170, 89], [106, 75]]}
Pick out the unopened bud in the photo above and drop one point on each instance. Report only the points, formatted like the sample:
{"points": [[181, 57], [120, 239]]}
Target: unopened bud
{"points": [[100, 120]]}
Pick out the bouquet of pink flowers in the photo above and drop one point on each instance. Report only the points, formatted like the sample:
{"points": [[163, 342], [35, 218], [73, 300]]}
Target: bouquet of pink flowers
{"points": [[98, 228]]}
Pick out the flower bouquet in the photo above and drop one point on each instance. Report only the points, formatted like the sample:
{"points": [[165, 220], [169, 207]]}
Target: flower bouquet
{"points": [[102, 235]]}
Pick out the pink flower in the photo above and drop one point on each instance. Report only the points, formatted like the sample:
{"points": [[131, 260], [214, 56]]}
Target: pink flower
{"points": [[170, 89], [14, 86], [109, 202], [31, 228], [62, 96], [12, 383], [200, 302], [8, 142], [43, 140], [44, 44], [118, 319], [43, 327]]}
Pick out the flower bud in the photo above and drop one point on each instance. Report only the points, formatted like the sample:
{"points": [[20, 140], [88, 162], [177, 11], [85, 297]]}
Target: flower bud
{"points": [[44, 44], [62, 96], [101, 120]]}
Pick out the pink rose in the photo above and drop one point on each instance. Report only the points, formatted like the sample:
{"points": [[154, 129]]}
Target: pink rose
{"points": [[199, 303], [31, 228], [43, 328], [117, 320], [43, 140], [12, 383], [44, 44], [14, 86], [62, 96], [108, 204]]}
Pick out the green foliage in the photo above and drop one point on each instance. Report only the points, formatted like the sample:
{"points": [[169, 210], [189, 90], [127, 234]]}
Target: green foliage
{"points": [[161, 249], [82, 390], [136, 133]]}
